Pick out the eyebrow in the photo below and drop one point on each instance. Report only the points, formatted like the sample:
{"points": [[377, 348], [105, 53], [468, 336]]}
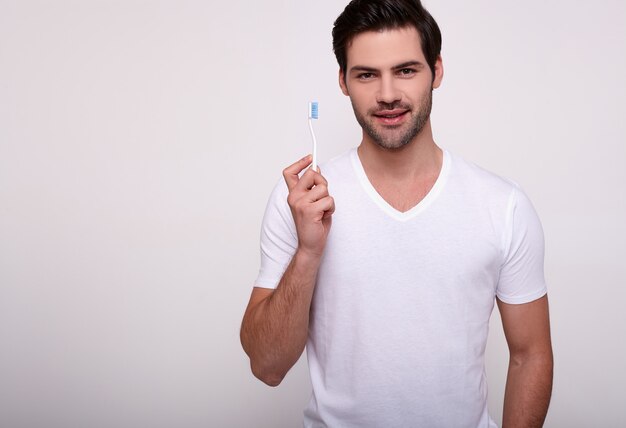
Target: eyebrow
{"points": [[366, 69], [409, 64]]}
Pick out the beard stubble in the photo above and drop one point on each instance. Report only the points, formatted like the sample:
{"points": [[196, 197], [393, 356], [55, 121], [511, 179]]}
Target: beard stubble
{"points": [[388, 139]]}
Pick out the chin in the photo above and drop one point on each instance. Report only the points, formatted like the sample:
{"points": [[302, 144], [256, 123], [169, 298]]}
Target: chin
{"points": [[393, 147], [393, 143]]}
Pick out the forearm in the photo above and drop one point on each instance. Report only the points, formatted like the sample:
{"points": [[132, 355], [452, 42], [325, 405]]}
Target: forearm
{"points": [[275, 331], [528, 391]]}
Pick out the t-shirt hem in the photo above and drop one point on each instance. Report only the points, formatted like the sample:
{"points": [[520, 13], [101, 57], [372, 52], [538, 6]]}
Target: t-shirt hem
{"points": [[269, 287], [518, 300], [267, 279]]}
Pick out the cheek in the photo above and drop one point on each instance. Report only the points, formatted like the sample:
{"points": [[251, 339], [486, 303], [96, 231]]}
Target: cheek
{"points": [[362, 105], [363, 97], [420, 86]]}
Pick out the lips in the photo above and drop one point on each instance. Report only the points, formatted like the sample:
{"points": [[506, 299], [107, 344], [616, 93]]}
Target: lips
{"points": [[391, 117]]}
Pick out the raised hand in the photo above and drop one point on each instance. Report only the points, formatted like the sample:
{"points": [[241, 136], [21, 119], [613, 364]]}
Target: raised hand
{"points": [[311, 206]]}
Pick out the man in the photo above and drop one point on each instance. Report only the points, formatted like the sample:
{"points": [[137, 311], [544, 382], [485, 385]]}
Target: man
{"points": [[391, 292]]}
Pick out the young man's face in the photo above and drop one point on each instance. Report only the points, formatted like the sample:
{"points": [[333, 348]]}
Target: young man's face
{"points": [[390, 85]]}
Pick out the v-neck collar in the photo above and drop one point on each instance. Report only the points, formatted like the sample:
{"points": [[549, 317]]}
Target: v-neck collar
{"points": [[384, 205]]}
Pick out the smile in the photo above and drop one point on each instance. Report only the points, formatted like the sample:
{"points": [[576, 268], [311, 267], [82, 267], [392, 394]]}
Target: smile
{"points": [[391, 117]]}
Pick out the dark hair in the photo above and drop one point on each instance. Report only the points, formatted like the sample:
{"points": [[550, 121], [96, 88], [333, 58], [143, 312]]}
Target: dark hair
{"points": [[374, 15]]}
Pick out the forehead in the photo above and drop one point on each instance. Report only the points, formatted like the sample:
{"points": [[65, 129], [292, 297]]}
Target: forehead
{"points": [[385, 48]]}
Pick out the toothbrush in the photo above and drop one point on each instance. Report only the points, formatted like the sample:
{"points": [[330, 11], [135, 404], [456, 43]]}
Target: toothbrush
{"points": [[313, 114]]}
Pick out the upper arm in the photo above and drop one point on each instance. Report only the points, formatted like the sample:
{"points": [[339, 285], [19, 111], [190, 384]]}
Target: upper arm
{"points": [[526, 327], [279, 239], [521, 277]]}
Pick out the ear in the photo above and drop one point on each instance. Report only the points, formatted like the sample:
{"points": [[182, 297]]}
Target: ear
{"points": [[438, 72], [342, 83]]}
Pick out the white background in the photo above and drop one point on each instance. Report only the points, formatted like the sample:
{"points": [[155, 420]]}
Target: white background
{"points": [[139, 141]]}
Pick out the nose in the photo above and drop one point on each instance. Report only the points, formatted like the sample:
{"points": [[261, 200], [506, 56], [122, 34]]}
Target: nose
{"points": [[388, 93]]}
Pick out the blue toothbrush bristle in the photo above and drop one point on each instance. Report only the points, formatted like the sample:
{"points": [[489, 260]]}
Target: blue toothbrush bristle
{"points": [[313, 110]]}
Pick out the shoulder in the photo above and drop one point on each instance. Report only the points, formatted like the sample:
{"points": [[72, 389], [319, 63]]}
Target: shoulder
{"points": [[477, 181]]}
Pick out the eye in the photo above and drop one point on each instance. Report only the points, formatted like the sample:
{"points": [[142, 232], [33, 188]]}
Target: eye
{"points": [[406, 72], [365, 76]]}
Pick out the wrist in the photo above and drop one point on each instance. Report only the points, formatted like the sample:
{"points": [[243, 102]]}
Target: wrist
{"points": [[305, 257]]}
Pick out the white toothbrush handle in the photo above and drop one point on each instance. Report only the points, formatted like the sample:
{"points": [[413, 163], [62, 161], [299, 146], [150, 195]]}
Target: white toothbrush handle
{"points": [[314, 164]]}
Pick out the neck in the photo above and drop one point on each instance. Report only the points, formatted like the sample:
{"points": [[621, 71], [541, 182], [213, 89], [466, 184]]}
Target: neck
{"points": [[421, 156]]}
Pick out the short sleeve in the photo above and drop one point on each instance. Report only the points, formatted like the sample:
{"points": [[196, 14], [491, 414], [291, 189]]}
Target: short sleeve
{"points": [[279, 239], [522, 272]]}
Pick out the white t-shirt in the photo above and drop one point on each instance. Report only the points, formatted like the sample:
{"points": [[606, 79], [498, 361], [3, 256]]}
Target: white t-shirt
{"points": [[401, 308]]}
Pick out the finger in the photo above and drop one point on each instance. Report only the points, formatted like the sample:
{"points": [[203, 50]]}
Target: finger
{"points": [[325, 205], [318, 192], [331, 207], [309, 179], [290, 174], [330, 211]]}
